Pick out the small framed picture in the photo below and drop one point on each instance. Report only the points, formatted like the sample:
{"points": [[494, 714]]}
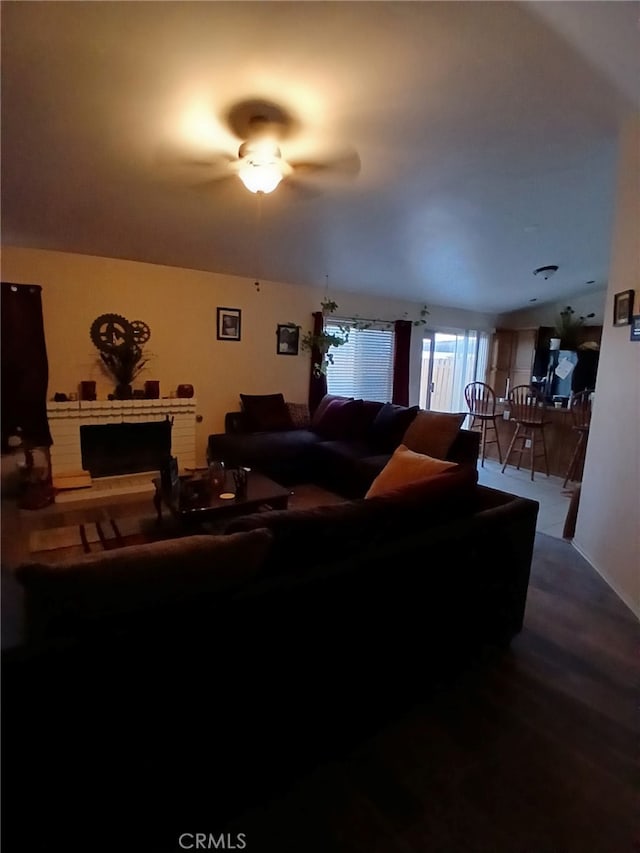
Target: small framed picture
{"points": [[288, 339], [623, 308], [634, 332], [229, 320]]}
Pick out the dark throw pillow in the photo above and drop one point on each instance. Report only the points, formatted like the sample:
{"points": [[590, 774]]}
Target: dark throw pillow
{"points": [[389, 425], [322, 405], [266, 412], [339, 420]]}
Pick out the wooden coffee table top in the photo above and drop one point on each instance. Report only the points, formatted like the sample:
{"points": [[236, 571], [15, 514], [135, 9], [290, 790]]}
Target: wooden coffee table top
{"points": [[193, 503]]}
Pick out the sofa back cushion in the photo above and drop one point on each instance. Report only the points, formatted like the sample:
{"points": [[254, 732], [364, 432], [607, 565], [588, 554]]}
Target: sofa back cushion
{"points": [[368, 414], [266, 412], [315, 537], [75, 595], [339, 420], [406, 467], [455, 482], [389, 425], [433, 433]]}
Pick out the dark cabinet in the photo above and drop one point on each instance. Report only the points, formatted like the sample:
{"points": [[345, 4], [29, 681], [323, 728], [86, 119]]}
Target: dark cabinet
{"points": [[584, 373], [511, 359]]}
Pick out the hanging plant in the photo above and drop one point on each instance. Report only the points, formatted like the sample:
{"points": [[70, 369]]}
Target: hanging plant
{"points": [[324, 342]]}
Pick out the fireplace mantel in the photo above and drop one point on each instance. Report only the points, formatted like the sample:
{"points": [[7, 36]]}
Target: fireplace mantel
{"points": [[65, 420]]}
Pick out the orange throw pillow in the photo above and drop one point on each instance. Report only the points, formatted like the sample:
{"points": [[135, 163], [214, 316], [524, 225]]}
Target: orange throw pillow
{"points": [[405, 467]]}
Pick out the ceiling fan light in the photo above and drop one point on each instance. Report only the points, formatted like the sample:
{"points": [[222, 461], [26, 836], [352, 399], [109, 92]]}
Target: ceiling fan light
{"points": [[260, 177]]}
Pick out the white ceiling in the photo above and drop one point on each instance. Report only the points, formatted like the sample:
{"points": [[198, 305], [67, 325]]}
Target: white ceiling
{"points": [[486, 132]]}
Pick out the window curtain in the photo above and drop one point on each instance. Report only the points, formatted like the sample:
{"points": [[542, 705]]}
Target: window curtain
{"points": [[317, 382], [25, 368], [25, 377], [401, 362]]}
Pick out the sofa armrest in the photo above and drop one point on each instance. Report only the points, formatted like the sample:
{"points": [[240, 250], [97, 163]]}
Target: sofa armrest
{"points": [[464, 449]]}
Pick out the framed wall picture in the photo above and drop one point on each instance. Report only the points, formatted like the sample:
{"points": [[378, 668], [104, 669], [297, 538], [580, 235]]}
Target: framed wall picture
{"points": [[634, 332], [229, 324], [623, 307], [288, 339]]}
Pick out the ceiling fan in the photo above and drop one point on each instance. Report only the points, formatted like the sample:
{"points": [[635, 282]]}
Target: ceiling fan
{"points": [[261, 128]]}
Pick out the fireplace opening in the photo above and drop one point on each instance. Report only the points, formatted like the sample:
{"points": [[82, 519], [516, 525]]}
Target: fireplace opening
{"points": [[111, 449]]}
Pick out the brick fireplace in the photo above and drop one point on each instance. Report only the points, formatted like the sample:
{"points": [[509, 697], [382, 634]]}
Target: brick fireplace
{"points": [[66, 420]]}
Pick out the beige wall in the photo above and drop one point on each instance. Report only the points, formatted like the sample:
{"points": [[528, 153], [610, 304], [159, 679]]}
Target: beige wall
{"points": [[608, 525], [179, 305]]}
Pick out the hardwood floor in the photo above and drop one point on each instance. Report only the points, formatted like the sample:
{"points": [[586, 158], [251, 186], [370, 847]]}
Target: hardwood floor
{"points": [[533, 750], [530, 751]]}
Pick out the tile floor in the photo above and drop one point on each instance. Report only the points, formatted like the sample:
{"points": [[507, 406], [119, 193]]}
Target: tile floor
{"points": [[548, 491]]}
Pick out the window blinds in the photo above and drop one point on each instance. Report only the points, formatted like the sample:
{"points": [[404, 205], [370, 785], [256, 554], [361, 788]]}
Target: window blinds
{"points": [[363, 367]]}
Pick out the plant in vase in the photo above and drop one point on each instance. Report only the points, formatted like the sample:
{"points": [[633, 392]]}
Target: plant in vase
{"points": [[568, 328], [124, 364]]}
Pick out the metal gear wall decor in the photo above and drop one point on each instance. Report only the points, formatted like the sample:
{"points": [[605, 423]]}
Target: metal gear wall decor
{"points": [[110, 332], [119, 344], [141, 332]]}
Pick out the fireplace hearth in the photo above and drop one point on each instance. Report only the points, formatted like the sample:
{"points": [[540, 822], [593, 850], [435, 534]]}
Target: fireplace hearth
{"points": [[125, 448]]}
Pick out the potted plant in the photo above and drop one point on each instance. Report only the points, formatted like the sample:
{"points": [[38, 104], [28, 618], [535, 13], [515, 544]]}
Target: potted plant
{"points": [[568, 328], [124, 364]]}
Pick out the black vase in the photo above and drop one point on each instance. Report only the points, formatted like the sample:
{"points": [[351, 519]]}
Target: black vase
{"points": [[123, 391]]}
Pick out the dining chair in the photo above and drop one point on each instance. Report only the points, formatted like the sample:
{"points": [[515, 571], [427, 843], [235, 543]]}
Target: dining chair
{"points": [[481, 402], [580, 407], [527, 409]]}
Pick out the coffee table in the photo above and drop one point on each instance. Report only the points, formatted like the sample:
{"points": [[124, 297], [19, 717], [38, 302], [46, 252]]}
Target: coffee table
{"points": [[191, 501]]}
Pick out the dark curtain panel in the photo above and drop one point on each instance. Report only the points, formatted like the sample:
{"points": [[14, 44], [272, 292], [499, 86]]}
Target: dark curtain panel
{"points": [[401, 361], [25, 369], [317, 383]]}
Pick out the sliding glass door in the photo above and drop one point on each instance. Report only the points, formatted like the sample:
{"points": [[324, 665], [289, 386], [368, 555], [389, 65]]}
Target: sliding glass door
{"points": [[450, 360]]}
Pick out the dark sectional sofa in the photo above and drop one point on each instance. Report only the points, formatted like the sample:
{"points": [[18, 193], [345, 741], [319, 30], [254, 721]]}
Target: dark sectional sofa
{"points": [[171, 685], [343, 453]]}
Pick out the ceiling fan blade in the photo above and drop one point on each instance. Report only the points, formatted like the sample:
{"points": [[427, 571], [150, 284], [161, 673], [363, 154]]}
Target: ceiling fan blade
{"points": [[298, 189], [345, 163], [176, 164], [220, 180]]}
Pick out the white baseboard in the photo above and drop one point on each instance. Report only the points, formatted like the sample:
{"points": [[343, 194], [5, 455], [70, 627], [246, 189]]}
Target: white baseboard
{"points": [[621, 595]]}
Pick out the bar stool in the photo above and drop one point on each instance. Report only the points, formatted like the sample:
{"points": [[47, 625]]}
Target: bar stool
{"points": [[580, 407], [481, 401], [528, 411]]}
